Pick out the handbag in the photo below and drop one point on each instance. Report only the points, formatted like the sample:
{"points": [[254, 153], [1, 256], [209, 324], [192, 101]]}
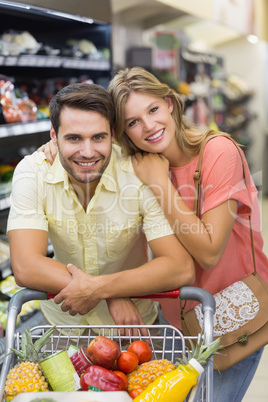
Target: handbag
{"points": [[241, 318]]}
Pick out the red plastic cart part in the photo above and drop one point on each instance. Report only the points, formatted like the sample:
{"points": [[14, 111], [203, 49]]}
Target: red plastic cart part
{"points": [[169, 294]]}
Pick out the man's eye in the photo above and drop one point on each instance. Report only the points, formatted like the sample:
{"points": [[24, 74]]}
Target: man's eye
{"points": [[98, 137]]}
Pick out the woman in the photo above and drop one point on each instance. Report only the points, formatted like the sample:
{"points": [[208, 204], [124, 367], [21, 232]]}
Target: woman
{"points": [[150, 127]]}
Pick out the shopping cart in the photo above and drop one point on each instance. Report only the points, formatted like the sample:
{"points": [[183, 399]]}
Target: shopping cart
{"points": [[173, 343]]}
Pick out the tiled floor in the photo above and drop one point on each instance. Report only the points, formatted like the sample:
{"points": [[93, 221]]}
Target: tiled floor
{"points": [[258, 390]]}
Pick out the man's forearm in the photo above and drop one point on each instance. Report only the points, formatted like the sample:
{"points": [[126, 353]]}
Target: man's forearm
{"points": [[42, 273], [171, 268], [30, 265]]}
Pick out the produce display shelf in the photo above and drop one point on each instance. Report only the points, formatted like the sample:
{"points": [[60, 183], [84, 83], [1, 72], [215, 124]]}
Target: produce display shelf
{"points": [[8, 130]]}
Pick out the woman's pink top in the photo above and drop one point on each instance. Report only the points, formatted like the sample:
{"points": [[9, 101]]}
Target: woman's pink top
{"points": [[221, 180]]}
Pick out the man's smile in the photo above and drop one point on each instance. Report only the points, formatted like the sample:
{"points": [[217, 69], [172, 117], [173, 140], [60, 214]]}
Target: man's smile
{"points": [[86, 164]]}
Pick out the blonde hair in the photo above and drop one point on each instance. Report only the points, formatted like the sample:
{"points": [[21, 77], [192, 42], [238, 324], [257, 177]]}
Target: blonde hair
{"points": [[137, 79]]}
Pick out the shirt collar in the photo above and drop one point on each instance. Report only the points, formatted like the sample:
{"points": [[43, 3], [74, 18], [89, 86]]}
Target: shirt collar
{"points": [[57, 173]]}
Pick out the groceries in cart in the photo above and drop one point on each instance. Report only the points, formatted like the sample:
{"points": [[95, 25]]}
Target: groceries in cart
{"points": [[102, 366], [174, 385], [152, 367]]}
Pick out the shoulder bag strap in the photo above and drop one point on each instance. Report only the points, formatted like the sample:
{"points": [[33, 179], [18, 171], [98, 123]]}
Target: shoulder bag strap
{"points": [[197, 180]]}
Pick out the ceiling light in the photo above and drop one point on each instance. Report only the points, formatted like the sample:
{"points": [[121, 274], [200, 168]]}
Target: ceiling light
{"points": [[70, 16], [10, 4], [253, 39]]}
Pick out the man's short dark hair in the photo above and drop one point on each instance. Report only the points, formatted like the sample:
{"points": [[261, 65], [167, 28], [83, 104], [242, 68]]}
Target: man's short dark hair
{"points": [[82, 96]]}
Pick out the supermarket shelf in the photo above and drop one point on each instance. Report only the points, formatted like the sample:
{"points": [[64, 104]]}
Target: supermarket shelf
{"points": [[4, 203], [55, 62], [5, 265], [8, 130], [5, 269], [50, 249]]}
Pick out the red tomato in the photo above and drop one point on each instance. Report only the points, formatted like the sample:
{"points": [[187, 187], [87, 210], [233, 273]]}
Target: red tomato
{"points": [[127, 361], [122, 375], [135, 392], [142, 350]]}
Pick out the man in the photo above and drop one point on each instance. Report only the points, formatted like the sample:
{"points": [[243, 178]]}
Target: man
{"points": [[97, 215]]}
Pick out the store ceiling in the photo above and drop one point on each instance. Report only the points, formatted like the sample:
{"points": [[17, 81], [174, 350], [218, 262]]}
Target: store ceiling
{"points": [[201, 33], [147, 13], [152, 13]]}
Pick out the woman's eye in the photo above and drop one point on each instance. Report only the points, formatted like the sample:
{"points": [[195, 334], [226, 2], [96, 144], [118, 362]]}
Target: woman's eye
{"points": [[154, 109], [132, 123]]}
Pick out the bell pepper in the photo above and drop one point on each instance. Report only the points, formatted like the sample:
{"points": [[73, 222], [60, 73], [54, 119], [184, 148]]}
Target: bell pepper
{"points": [[173, 386], [102, 378]]}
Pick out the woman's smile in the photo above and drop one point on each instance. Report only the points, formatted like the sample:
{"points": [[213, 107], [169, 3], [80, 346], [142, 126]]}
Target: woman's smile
{"points": [[156, 137]]}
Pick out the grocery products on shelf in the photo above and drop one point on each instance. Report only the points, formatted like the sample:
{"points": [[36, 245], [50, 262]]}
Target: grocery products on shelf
{"points": [[15, 109], [14, 42]]}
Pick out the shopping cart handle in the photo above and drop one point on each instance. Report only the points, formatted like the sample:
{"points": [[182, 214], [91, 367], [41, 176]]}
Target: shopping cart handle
{"points": [[169, 294], [200, 295], [184, 293], [25, 295], [51, 295]]}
